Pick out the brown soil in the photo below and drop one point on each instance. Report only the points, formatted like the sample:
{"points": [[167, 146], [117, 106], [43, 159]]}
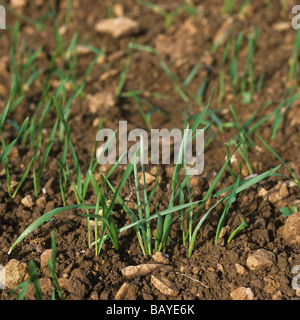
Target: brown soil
{"points": [[211, 273]]}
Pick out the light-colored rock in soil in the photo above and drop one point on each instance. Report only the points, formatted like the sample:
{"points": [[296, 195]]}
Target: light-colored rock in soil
{"points": [[118, 27], [260, 259], [263, 193], [41, 202], [46, 255], [277, 295], [240, 269], [15, 272], [164, 285], [149, 178], [242, 293], [161, 257], [18, 4], [118, 10], [127, 291], [282, 26], [94, 296], [101, 101], [298, 292], [291, 229], [27, 201], [279, 192], [140, 270]]}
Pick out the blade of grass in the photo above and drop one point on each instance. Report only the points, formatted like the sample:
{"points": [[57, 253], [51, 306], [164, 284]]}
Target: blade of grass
{"points": [[44, 218]]}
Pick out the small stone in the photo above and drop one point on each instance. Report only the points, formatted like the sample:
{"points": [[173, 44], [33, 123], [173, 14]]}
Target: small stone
{"points": [[164, 285], [220, 267], [101, 101], [298, 292], [261, 259], [127, 291], [118, 27], [242, 293], [263, 193], [94, 296], [282, 26], [118, 10], [41, 202], [149, 178], [46, 255], [161, 257], [277, 295], [140, 270], [240, 269], [18, 4], [291, 229], [224, 231], [82, 50], [15, 272], [27, 201], [283, 191]]}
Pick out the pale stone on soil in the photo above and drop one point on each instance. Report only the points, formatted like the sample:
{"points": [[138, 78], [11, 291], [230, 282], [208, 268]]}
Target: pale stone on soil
{"points": [[15, 272], [298, 292], [118, 27], [291, 229], [46, 255], [141, 270], [94, 296], [126, 292], [242, 293], [17, 4], [149, 178], [282, 26], [261, 259], [240, 269], [101, 101], [118, 10], [161, 257], [27, 201], [41, 202], [277, 295], [263, 193], [164, 285]]}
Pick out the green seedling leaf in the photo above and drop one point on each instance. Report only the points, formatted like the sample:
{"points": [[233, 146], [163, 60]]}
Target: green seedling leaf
{"points": [[231, 199], [44, 218], [34, 278], [242, 226], [285, 211]]}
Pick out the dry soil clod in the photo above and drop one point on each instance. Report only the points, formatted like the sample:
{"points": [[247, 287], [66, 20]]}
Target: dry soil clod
{"points": [[291, 229]]}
